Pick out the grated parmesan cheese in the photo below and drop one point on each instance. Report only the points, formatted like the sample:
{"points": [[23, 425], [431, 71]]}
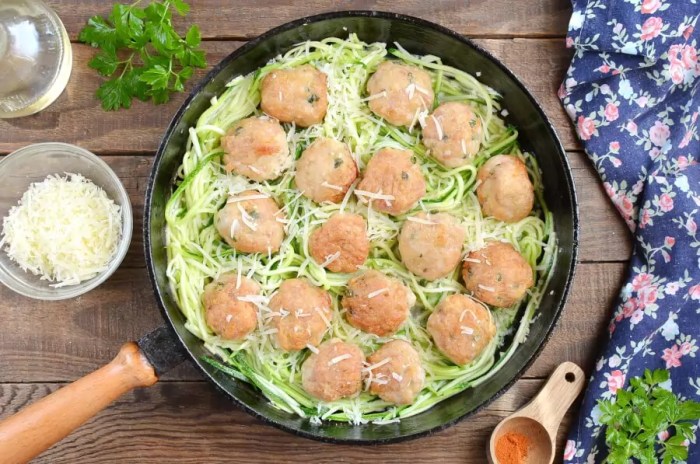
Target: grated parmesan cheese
{"points": [[64, 229], [377, 292], [323, 316], [340, 358], [422, 90], [234, 224], [260, 196], [374, 196], [486, 289], [247, 218], [410, 90], [381, 94], [420, 221], [312, 348], [377, 365], [330, 259], [331, 186], [438, 127], [259, 299]]}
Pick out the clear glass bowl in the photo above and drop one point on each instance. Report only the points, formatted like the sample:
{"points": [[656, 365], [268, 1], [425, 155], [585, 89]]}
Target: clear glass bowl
{"points": [[32, 164]]}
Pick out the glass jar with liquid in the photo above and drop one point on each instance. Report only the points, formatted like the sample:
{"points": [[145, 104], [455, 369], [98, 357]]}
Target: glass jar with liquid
{"points": [[35, 57]]}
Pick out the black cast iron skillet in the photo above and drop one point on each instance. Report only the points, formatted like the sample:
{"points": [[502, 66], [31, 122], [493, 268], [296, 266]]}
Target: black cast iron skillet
{"points": [[165, 347]]}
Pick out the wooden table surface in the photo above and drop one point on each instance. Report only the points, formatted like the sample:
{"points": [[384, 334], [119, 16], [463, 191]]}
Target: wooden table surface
{"points": [[44, 345]]}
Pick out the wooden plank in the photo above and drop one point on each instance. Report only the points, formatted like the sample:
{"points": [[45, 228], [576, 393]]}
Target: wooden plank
{"points": [[604, 236], [249, 18], [76, 117], [192, 423], [60, 341]]}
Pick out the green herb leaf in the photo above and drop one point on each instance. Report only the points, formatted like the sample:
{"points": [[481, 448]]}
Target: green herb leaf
{"points": [[142, 49], [114, 94], [105, 63], [181, 7], [157, 77], [639, 414], [98, 33], [128, 21], [193, 37]]}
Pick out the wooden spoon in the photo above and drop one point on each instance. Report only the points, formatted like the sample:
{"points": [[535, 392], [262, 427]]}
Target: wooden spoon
{"points": [[539, 419]]}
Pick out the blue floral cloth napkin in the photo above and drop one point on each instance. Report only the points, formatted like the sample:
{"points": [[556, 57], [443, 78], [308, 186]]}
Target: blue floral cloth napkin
{"points": [[632, 93]]}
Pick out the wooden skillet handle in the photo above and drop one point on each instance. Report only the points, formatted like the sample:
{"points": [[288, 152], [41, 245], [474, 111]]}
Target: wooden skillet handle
{"points": [[42, 424]]}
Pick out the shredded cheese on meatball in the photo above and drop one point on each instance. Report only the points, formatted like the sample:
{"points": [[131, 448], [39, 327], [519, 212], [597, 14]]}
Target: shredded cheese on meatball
{"points": [[340, 358], [374, 196], [421, 221], [377, 292], [330, 259], [377, 365], [331, 186]]}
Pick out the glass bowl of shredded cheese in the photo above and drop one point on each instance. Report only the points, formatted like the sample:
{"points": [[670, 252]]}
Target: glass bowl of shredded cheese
{"points": [[66, 223]]}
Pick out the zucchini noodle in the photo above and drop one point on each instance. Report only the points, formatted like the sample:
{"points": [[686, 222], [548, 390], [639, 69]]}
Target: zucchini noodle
{"points": [[197, 254]]}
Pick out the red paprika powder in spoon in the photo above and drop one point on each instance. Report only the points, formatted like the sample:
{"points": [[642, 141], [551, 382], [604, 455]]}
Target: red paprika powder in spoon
{"points": [[512, 448]]}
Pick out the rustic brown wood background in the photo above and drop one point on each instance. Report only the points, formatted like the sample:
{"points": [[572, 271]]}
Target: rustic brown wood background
{"points": [[182, 419]]}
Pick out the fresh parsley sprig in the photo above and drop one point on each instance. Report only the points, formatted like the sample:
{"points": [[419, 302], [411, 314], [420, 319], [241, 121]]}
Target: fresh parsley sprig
{"points": [[141, 53], [640, 414]]}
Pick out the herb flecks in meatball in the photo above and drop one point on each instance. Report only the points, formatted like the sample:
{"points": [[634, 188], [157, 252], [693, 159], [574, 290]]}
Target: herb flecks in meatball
{"points": [[497, 274], [325, 171], [377, 303], [453, 134], [391, 182], [341, 243], [431, 244], [505, 191], [398, 92], [461, 328], [296, 95], [395, 373], [251, 222], [334, 371], [227, 310], [257, 149], [301, 314]]}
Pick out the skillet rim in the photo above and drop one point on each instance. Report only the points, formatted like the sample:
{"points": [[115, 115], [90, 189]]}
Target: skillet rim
{"points": [[300, 22]]}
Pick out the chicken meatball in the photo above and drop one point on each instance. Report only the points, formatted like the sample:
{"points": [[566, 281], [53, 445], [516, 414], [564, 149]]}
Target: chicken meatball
{"points": [[461, 328], [302, 313], [398, 92], [453, 134], [297, 95], [251, 226], [505, 190], [376, 303], [497, 274], [399, 375], [344, 236], [431, 244], [229, 317], [325, 171], [395, 179], [256, 148], [334, 372]]}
